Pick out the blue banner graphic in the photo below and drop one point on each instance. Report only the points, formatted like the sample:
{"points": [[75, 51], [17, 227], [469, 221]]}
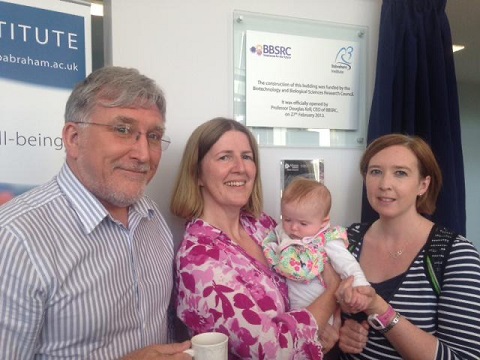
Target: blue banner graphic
{"points": [[41, 47]]}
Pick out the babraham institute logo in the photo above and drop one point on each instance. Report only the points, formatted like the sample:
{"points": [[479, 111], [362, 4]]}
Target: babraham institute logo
{"points": [[277, 51], [343, 60]]}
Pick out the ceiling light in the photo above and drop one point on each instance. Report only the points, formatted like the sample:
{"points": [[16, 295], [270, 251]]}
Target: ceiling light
{"points": [[458, 47], [96, 9]]}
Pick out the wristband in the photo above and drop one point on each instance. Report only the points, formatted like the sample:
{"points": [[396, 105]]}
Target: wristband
{"points": [[394, 322], [383, 322]]}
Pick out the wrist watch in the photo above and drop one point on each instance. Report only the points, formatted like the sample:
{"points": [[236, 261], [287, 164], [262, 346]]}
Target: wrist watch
{"points": [[384, 322]]}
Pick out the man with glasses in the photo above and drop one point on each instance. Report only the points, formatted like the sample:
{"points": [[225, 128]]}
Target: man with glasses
{"points": [[86, 259]]}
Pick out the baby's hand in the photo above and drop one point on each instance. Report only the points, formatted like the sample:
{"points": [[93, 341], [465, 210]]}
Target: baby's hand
{"points": [[360, 299]]}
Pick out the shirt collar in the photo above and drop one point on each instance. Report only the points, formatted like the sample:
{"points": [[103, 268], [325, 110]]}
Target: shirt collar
{"points": [[89, 209]]}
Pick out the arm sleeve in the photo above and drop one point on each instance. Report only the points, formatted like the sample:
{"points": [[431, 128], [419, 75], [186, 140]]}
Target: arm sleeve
{"points": [[21, 300], [216, 291], [344, 262], [458, 326]]}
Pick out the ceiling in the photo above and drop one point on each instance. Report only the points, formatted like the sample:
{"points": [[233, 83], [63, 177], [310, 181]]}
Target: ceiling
{"points": [[464, 18]]}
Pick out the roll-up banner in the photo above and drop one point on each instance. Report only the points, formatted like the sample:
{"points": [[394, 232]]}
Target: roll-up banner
{"points": [[45, 49]]}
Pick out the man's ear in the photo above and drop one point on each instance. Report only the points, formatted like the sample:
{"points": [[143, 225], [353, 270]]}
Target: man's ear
{"points": [[70, 136]]}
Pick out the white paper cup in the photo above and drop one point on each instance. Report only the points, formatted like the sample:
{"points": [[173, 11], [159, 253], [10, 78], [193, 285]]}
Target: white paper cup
{"points": [[209, 346]]}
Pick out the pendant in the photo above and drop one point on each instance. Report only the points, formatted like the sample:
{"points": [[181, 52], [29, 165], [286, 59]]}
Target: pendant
{"points": [[397, 253]]}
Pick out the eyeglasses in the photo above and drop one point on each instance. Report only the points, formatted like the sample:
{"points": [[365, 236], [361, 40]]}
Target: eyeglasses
{"points": [[130, 134]]}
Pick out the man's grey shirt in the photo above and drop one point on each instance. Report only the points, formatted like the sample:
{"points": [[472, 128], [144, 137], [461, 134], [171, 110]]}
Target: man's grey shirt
{"points": [[76, 284]]}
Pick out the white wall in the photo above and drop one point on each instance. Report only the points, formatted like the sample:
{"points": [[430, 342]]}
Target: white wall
{"points": [[187, 47], [469, 94]]}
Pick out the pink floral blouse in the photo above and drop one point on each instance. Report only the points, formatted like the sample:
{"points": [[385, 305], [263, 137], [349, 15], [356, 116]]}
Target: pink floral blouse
{"points": [[222, 288]]}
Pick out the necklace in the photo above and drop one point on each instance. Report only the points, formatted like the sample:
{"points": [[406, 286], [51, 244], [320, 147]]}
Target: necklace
{"points": [[399, 252]]}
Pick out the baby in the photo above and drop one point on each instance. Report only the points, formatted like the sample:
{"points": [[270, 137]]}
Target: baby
{"points": [[299, 247]]}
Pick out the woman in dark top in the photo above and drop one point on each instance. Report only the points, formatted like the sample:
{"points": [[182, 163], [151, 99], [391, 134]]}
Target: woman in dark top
{"points": [[407, 319]]}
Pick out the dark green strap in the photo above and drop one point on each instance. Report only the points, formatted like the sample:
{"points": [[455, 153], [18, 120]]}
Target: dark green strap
{"points": [[431, 275]]}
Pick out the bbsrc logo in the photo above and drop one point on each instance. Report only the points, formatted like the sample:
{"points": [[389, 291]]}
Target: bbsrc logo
{"points": [[277, 51]]}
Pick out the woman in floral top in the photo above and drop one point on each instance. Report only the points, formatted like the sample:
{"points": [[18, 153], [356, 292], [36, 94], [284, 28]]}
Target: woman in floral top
{"points": [[224, 282]]}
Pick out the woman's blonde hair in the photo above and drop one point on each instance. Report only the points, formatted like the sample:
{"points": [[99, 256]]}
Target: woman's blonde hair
{"points": [[187, 201]]}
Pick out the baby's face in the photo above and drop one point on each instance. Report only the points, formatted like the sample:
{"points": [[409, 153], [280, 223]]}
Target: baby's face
{"points": [[300, 220]]}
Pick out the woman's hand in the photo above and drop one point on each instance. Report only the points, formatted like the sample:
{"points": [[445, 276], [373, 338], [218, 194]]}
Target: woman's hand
{"points": [[353, 336], [159, 352]]}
